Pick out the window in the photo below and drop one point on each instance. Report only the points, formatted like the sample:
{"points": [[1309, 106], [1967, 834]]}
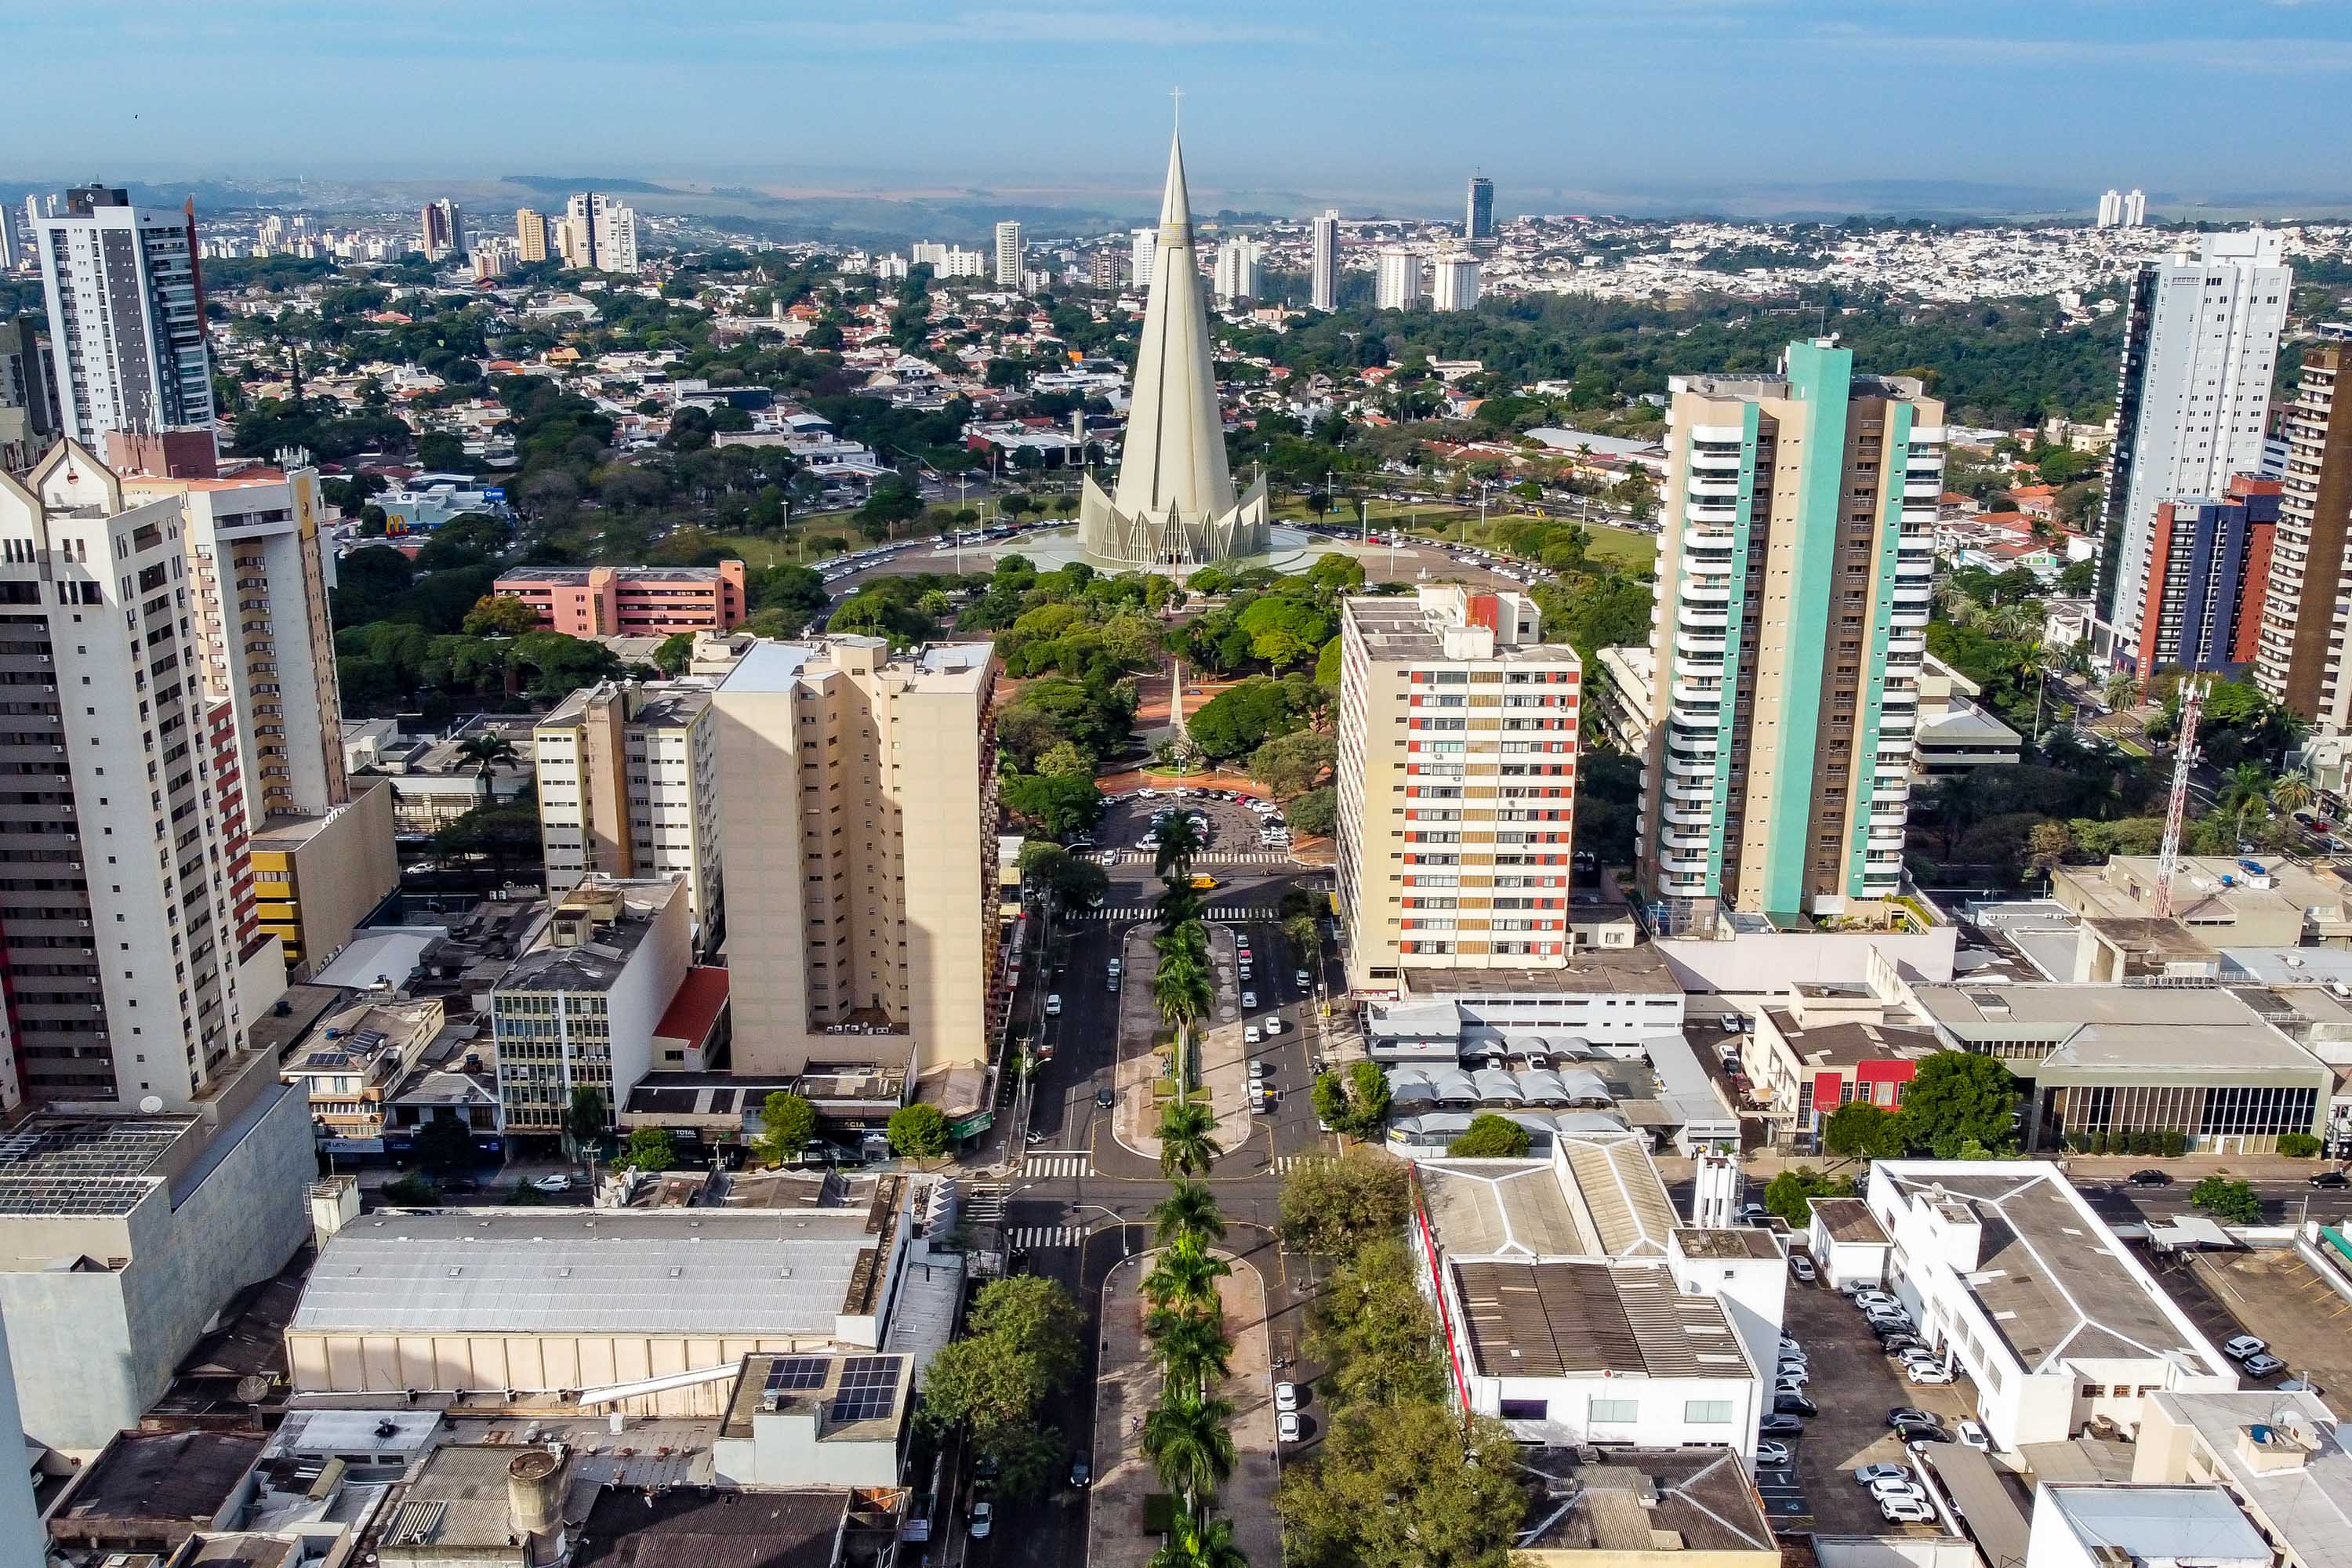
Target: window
{"points": [[1525, 1409], [1615, 1410], [1706, 1412]]}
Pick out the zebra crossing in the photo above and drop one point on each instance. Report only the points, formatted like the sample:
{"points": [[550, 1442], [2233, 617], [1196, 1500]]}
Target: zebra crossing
{"points": [[1284, 1163], [984, 1203], [1028, 1237], [1057, 1165], [1214, 857], [1145, 912]]}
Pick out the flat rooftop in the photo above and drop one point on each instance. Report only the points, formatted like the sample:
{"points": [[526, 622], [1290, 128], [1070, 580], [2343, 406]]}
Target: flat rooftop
{"points": [[855, 1397], [1848, 1220], [1583, 1319], [1395, 629], [603, 953], [2051, 1280], [578, 576], [698, 1527], [180, 1477], [2157, 1523], [2056, 1006], [2308, 1505], [662, 704], [83, 1166], [1635, 1499], [663, 1272], [1639, 971], [1852, 1044]]}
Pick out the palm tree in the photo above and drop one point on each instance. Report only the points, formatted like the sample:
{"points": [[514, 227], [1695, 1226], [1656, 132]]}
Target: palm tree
{"points": [[1179, 842], [1180, 989], [2245, 791], [1190, 1443], [487, 750], [1198, 1543], [2018, 620], [1184, 1279], [1189, 1209], [1179, 903], [1303, 938], [2290, 794], [2121, 690], [1187, 938], [1185, 1145], [1189, 1350]]}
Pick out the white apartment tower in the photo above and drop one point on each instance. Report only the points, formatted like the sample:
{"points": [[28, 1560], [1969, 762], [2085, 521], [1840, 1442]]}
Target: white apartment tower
{"points": [[1456, 284], [1237, 276], [858, 823], [628, 788], [1008, 255], [7, 242], [1323, 261], [258, 583], [1456, 783], [1143, 253], [2111, 209], [598, 234], [1403, 279], [2192, 399], [126, 317], [116, 930], [2136, 209]]}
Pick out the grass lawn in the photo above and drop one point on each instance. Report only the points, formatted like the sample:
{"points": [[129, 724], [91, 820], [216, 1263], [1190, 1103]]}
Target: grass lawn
{"points": [[1624, 547]]}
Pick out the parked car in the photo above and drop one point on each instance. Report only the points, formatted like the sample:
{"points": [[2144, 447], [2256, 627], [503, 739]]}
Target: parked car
{"points": [[1773, 1452], [1787, 1404], [2333, 1179], [1305, 981], [1972, 1434], [1779, 1425], [1249, 1000], [1914, 1435], [1053, 1004], [552, 1184], [2263, 1365], [2242, 1346], [1902, 1412], [2150, 1178], [984, 1519], [1286, 1427], [1882, 1489], [1899, 1344], [1925, 1373], [1755, 1214], [1869, 1475], [1906, 1511], [1803, 1267], [1285, 1397], [1251, 1036]]}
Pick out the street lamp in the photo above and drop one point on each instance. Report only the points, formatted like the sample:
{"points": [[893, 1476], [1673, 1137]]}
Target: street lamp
{"points": [[1116, 1218]]}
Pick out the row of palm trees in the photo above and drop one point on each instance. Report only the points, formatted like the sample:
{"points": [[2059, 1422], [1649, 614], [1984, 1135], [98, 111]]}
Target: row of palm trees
{"points": [[1183, 990], [1188, 1436]]}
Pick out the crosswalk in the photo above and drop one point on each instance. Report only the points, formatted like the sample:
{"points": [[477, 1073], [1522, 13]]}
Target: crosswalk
{"points": [[1284, 1163], [1214, 857], [984, 1203], [1057, 1165], [1145, 912], [1030, 1236]]}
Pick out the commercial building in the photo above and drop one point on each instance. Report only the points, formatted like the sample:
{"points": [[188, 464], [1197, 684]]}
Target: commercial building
{"points": [[2019, 1282], [2079, 1525], [2192, 399], [1479, 219], [1456, 284], [579, 1008], [435, 778], [441, 230], [1175, 505], [628, 788], [126, 317], [121, 1236], [1788, 640], [353, 1062], [1642, 1508], [2208, 572], [2096, 1060], [602, 1306], [1820, 1047], [1956, 734], [1323, 261], [1008, 255], [1404, 280], [857, 820], [117, 925], [2281, 1455], [630, 601], [2301, 657], [318, 878], [260, 582], [1456, 784], [2219, 901]]}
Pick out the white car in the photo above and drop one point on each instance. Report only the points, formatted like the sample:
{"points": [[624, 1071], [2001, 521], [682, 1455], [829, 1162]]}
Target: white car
{"points": [[1053, 1004], [554, 1183], [1924, 1373], [1286, 1397], [1871, 1475], [1286, 1427], [2244, 1345], [1774, 1453], [984, 1519], [1906, 1511], [1305, 981], [1250, 1037], [1249, 999], [1972, 1434], [1273, 1025], [1146, 795], [1893, 1486], [1803, 1267], [1259, 1070]]}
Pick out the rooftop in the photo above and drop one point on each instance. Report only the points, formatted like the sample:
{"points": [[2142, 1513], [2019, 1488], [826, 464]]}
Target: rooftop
{"points": [[84, 1165], [1396, 629], [169, 1476], [2156, 1523], [660, 704], [706, 1528], [2056, 1007], [694, 1006], [1639, 971], [609, 919], [1573, 1319], [1599, 1196], [859, 1397], [1641, 1500], [1848, 1220], [577, 576], [2212, 889], [1851, 1043], [459, 1499], [1726, 1242], [2307, 1505]]}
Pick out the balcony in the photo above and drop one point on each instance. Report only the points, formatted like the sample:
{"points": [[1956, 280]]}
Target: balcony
{"points": [[1694, 619], [1694, 844], [1716, 592], [1700, 648], [1686, 818], [1690, 767]]}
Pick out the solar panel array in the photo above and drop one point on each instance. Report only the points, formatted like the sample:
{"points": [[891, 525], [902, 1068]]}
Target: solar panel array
{"points": [[82, 1166], [869, 1387], [794, 1374]]}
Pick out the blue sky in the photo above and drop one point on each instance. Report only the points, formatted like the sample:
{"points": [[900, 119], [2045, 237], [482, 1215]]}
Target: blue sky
{"points": [[1296, 101]]}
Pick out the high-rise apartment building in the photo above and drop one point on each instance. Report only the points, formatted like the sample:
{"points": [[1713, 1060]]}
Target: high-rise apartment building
{"points": [[2136, 209], [1107, 268], [2304, 656], [1478, 221], [1456, 784], [1008, 255], [28, 403], [442, 231], [1456, 283], [116, 925], [1787, 639], [1237, 276], [598, 234], [2192, 400], [857, 827], [1403, 279], [628, 788], [32, 218], [1143, 254], [2111, 209], [532, 232], [2208, 572], [126, 318], [7, 242], [258, 583], [1323, 261]]}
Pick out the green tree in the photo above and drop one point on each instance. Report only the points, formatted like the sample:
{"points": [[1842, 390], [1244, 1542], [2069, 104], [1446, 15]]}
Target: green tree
{"points": [[1199, 1542], [1490, 1137], [1185, 1144], [445, 1143], [1057, 804], [1374, 1498], [1290, 765], [1956, 1096], [1190, 1349], [1037, 1317], [497, 616], [2226, 1199], [1317, 812], [1180, 840], [918, 1132], [677, 650], [1189, 1209], [653, 1149], [1373, 1330], [1859, 1129], [1336, 574], [787, 1122], [487, 750], [586, 1118], [1790, 1193], [1332, 1208]]}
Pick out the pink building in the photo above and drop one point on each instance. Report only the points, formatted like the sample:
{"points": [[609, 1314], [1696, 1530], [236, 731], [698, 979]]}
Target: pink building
{"points": [[630, 601]]}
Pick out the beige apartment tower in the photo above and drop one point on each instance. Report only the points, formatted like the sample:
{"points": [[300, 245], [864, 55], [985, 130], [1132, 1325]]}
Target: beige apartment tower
{"points": [[857, 820], [628, 788], [2300, 659], [531, 235], [1456, 783]]}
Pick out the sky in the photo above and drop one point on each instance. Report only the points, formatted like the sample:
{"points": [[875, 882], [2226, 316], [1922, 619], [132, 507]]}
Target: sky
{"points": [[1288, 104]]}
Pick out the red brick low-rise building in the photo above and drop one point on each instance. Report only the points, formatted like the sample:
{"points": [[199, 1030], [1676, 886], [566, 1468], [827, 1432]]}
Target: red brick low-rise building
{"points": [[630, 601]]}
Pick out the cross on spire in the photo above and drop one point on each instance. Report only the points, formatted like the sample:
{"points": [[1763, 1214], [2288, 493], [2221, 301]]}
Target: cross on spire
{"points": [[1178, 94]]}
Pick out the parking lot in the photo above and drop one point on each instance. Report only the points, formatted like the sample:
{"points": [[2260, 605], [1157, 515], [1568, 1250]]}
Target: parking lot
{"points": [[1854, 1385], [1233, 828], [2274, 1295]]}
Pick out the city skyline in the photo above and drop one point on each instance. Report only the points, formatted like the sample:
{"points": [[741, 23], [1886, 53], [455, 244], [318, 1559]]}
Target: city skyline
{"points": [[1009, 94]]}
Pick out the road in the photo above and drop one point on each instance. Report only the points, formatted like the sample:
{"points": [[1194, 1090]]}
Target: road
{"points": [[1080, 1200]]}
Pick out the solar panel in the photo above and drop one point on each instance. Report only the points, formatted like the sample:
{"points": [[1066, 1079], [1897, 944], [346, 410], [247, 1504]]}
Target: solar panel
{"points": [[789, 1373], [869, 1387]]}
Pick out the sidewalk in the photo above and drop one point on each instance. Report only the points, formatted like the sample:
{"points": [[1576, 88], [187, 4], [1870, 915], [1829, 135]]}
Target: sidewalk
{"points": [[1129, 1386], [1763, 1164], [1224, 1060]]}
